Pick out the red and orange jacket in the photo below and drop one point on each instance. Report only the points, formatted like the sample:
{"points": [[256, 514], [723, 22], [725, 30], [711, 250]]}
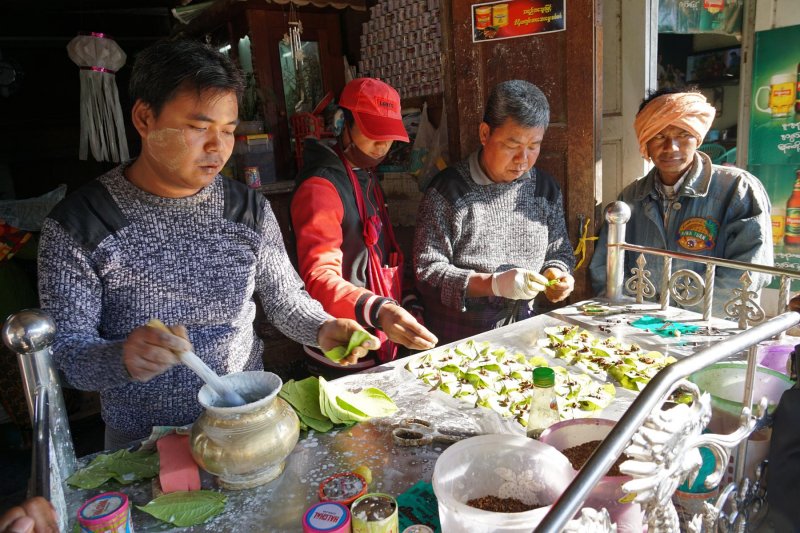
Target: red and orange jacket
{"points": [[332, 256]]}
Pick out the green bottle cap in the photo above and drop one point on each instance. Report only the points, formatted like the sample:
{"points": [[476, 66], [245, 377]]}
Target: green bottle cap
{"points": [[543, 377]]}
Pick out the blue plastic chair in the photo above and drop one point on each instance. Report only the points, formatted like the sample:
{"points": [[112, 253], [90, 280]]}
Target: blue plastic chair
{"points": [[712, 150], [728, 157]]}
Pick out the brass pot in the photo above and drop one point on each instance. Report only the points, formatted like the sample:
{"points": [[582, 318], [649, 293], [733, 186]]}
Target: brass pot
{"points": [[245, 446]]}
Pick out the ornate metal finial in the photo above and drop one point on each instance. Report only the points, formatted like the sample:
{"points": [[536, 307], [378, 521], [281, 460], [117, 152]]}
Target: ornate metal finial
{"points": [[591, 521], [640, 283], [29, 331], [665, 451], [687, 287], [743, 306], [618, 213]]}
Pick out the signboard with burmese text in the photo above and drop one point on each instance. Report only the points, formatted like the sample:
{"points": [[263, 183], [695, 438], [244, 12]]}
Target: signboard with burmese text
{"points": [[517, 18]]}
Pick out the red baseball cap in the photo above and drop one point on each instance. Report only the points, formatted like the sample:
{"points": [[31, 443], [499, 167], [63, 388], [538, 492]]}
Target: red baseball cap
{"points": [[376, 108]]}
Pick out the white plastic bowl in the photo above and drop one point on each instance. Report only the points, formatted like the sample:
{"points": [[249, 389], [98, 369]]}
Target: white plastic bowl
{"points": [[502, 466]]}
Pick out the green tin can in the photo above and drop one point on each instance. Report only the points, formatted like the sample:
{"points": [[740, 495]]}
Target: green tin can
{"points": [[375, 513]]}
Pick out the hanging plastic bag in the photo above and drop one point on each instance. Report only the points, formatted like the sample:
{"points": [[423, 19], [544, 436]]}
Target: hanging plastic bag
{"points": [[430, 153]]}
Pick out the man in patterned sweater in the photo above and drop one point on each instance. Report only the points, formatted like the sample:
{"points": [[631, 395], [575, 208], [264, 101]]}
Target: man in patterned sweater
{"points": [[490, 232], [165, 236]]}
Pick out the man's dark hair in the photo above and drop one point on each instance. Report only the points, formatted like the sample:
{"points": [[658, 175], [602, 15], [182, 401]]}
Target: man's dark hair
{"points": [[652, 95], [168, 67], [519, 100]]}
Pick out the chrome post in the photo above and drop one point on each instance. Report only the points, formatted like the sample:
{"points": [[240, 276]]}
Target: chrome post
{"points": [[708, 296], [747, 401], [30, 333], [40, 460], [665, 275], [783, 299], [617, 215]]}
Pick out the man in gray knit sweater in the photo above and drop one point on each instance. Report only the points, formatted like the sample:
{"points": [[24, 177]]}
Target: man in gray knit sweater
{"points": [[490, 231], [165, 236]]}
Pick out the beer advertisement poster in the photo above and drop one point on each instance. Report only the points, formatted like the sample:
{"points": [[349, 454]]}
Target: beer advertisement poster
{"points": [[774, 149], [517, 18]]}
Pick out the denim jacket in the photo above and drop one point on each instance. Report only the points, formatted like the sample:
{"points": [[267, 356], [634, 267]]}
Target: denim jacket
{"points": [[720, 211]]}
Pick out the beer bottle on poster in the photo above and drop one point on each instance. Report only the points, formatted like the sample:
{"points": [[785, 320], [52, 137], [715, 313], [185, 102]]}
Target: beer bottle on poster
{"points": [[792, 231], [797, 92]]}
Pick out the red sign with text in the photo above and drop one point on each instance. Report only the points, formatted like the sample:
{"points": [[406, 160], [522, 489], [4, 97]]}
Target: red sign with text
{"points": [[517, 18]]}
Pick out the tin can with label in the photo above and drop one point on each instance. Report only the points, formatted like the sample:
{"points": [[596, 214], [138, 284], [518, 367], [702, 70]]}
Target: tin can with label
{"points": [[375, 513], [107, 512], [252, 177]]}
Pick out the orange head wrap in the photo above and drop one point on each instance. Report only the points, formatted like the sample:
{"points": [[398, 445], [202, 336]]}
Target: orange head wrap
{"points": [[688, 111]]}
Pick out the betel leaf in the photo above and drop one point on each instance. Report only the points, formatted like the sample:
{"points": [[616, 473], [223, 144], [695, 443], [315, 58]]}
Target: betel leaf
{"points": [[318, 424], [344, 407], [124, 466], [129, 467], [303, 396], [93, 475], [184, 509], [340, 352]]}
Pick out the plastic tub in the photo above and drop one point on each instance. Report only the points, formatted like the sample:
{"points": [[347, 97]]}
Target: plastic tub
{"points": [[608, 492], [725, 383], [775, 356], [503, 466]]}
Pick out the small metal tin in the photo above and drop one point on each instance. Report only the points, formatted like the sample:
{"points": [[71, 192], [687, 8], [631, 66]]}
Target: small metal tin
{"points": [[418, 528], [375, 513], [330, 517], [252, 177], [107, 512], [343, 487]]}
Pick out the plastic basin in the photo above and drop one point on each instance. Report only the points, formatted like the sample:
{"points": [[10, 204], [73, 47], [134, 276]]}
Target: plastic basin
{"points": [[725, 383], [502, 466], [608, 492]]}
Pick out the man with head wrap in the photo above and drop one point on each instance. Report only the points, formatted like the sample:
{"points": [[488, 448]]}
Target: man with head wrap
{"points": [[686, 203]]}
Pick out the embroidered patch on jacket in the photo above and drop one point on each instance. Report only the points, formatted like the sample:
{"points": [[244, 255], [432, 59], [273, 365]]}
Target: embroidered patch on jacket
{"points": [[698, 234]]}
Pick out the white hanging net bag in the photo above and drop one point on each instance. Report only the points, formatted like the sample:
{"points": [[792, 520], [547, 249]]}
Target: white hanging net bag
{"points": [[102, 128]]}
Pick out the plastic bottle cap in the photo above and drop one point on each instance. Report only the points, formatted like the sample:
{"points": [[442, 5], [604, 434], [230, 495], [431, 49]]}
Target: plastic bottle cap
{"points": [[544, 377]]}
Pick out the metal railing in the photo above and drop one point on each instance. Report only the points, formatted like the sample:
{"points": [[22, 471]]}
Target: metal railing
{"points": [[617, 215]]}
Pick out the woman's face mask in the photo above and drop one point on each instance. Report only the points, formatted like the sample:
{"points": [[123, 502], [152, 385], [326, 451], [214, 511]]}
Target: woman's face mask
{"points": [[362, 151]]}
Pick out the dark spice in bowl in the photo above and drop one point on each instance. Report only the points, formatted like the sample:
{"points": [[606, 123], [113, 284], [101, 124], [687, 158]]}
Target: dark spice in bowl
{"points": [[500, 505], [579, 455]]}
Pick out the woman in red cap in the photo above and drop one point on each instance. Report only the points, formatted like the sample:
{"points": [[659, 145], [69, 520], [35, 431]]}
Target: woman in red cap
{"points": [[347, 253]]}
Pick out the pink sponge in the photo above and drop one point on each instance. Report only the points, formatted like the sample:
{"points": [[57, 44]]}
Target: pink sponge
{"points": [[177, 470]]}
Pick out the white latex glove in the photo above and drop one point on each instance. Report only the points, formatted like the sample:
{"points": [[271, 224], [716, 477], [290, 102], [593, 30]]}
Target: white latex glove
{"points": [[518, 284]]}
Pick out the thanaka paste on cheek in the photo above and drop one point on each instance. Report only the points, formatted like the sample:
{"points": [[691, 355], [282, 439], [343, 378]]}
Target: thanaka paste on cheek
{"points": [[168, 147]]}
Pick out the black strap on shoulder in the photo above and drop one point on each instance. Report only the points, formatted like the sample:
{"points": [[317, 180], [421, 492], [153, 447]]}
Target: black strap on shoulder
{"points": [[89, 215], [450, 184], [242, 204]]}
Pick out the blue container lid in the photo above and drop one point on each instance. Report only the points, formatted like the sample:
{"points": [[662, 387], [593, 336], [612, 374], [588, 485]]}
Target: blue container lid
{"points": [[332, 517]]}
